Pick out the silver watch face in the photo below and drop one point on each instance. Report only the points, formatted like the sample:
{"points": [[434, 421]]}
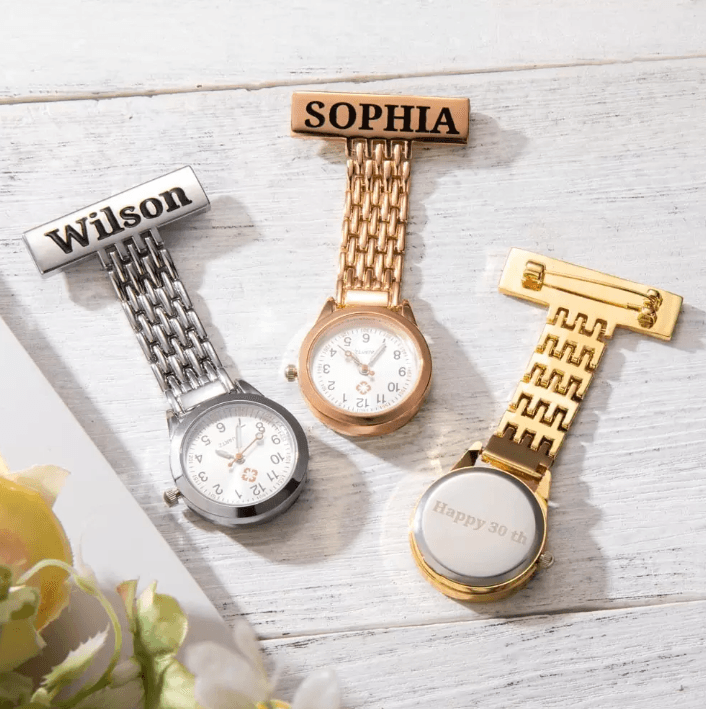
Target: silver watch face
{"points": [[479, 527], [365, 365], [240, 459]]}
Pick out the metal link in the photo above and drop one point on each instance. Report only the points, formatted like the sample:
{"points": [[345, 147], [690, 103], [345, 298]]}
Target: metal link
{"points": [[546, 401], [375, 218], [160, 312]]}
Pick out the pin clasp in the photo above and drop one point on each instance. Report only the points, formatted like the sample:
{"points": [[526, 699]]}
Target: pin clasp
{"points": [[591, 294]]}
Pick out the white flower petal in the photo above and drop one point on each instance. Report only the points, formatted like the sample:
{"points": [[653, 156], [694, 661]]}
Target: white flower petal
{"points": [[320, 690], [218, 669], [200, 657], [213, 696], [246, 642]]}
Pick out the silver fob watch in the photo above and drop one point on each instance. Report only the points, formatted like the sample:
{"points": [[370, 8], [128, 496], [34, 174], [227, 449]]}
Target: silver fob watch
{"points": [[237, 457]]}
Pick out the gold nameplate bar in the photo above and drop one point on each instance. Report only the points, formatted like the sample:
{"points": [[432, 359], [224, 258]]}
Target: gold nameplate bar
{"points": [[614, 301], [435, 119]]}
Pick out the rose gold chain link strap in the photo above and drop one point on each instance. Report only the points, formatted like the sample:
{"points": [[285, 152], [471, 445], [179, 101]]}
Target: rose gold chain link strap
{"points": [[546, 400], [375, 220]]}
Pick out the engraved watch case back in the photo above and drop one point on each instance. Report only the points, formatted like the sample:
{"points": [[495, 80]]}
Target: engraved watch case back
{"points": [[378, 384], [477, 533], [252, 495]]}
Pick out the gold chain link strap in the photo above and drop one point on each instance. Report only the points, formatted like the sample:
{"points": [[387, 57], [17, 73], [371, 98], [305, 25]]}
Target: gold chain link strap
{"points": [[585, 307], [546, 400], [167, 327], [375, 220]]}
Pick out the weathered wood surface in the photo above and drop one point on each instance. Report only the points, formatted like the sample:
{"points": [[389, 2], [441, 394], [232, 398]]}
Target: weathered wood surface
{"points": [[81, 47], [599, 165], [585, 660]]}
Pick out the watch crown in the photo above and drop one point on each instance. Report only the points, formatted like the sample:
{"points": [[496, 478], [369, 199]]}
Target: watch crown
{"points": [[290, 372], [546, 560], [171, 496]]}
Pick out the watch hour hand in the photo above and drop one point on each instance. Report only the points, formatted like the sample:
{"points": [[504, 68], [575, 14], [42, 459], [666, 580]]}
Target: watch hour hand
{"points": [[363, 368], [350, 355], [224, 454]]}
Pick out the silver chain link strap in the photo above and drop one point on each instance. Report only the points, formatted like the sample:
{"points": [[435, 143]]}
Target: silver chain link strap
{"points": [[166, 325]]}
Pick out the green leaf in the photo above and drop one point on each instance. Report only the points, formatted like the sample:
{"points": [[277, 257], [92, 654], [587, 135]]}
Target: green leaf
{"points": [[5, 581], [19, 604], [160, 629], [40, 698], [19, 639], [161, 623], [74, 664], [14, 689]]}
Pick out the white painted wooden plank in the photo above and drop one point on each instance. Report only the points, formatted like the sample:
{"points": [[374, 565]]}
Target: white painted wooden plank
{"points": [[651, 657], [604, 166], [132, 46]]}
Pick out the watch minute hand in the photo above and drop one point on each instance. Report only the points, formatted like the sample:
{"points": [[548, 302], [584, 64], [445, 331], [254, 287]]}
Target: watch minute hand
{"points": [[380, 350], [241, 454]]}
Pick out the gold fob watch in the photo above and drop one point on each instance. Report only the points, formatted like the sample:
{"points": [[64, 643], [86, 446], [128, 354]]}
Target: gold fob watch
{"points": [[479, 532], [365, 368]]}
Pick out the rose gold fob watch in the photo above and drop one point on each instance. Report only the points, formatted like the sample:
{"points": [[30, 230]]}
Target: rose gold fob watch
{"points": [[479, 532], [365, 368]]}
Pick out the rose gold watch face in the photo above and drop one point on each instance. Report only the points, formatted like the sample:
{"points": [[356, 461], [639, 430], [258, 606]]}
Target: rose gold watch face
{"points": [[365, 365]]}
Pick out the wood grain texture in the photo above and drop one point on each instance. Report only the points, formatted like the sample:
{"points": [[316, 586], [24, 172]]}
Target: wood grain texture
{"points": [[55, 50], [621, 660], [604, 166]]}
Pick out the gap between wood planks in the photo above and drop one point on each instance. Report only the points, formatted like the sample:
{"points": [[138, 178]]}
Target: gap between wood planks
{"points": [[360, 630], [477, 617], [259, 86]]}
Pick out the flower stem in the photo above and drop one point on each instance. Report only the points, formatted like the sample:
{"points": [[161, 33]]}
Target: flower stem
{"points": [[87, 586]]}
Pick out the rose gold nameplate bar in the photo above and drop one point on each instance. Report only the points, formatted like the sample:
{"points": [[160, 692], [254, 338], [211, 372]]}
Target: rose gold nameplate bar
{"points": [[429, 118], [59, 243]]}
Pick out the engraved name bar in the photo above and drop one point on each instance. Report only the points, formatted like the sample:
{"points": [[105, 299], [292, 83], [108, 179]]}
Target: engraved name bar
{"points": [[428, 118], [61, 242]]}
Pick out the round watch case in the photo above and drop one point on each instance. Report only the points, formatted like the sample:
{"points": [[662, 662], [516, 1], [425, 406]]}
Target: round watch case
{"points": [[477, 533], [346, 422], [240, 515]]}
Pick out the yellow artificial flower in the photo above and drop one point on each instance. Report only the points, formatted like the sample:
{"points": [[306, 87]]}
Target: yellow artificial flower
{"points": [[31, 532]]}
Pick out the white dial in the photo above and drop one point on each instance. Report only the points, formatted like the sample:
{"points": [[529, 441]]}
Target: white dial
{"points": [[365, 365], [239, 453]]}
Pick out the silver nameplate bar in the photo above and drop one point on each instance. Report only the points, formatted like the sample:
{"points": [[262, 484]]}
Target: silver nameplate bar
{"points": [[64, 241]]}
